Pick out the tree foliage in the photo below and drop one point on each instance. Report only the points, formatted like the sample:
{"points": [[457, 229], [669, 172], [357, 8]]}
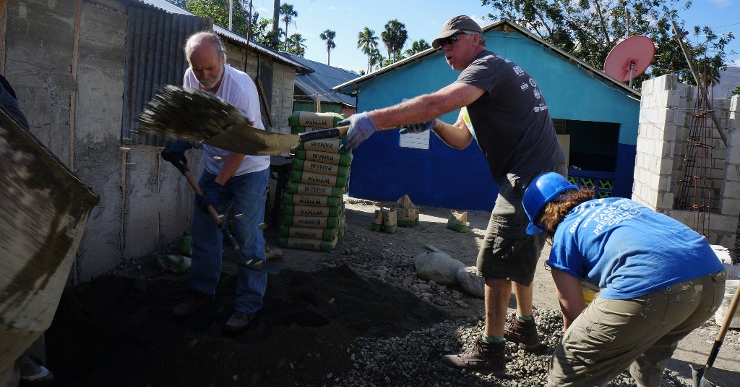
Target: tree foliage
{"points": [[368, 42], [288, 14], [328, 36], [295, 45], [417, 47], [394, 37], [590, 29], [257, 30]]}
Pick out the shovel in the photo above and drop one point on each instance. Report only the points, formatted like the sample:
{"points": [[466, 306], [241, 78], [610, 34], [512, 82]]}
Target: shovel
{"points": [[250, 263], [698, 373], [201, 117], [248, 140]]}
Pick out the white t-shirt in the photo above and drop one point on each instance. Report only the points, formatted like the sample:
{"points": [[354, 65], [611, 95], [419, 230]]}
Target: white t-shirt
{"points": [[238, 89]]}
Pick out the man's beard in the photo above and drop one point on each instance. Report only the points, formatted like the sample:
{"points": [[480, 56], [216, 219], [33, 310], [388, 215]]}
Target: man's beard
{"points": [[211, 82]]}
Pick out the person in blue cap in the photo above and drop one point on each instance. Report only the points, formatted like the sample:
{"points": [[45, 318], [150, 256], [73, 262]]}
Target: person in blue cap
{"points": [[659, 280]]}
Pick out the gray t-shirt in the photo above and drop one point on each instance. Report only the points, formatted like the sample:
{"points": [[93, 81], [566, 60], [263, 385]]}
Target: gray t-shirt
{"points": [[510, 120]]}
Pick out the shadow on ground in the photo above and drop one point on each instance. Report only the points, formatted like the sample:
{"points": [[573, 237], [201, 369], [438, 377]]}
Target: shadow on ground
{"points": [[118, 331]]}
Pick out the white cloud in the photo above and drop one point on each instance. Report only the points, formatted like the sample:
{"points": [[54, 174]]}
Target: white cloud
{"points": [[722, 3]]}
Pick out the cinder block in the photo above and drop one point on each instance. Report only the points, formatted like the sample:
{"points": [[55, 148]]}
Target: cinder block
{"points": [[665, 200], [724, 223], [731, 189], [730, 206]]}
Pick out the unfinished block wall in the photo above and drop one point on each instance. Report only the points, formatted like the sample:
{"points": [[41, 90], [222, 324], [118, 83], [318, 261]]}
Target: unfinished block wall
{"points": [[667, 111]]}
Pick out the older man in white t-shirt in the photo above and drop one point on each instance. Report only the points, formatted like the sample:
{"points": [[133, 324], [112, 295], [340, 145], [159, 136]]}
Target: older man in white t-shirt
{"points": [[228, 179]]}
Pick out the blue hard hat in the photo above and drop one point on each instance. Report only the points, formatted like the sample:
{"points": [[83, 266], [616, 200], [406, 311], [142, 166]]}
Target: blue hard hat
{"points": [[543, 189]]}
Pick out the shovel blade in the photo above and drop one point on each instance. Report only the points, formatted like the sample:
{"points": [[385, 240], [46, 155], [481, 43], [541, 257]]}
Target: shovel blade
{"points": [[697, 375], [248, 140]]}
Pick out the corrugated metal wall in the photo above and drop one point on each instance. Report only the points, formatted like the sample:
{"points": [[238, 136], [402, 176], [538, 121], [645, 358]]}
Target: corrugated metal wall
{"points": [[154, 57]]}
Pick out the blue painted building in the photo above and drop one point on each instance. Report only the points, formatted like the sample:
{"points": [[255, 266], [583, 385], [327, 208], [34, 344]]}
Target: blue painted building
{"points": [[596, 116]]}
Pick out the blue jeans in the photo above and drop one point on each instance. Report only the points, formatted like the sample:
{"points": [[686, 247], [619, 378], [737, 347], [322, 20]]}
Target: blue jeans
{"points": [[246, 195]]}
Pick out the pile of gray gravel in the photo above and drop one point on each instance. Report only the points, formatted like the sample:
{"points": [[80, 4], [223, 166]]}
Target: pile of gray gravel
{"points": [[413, 360]]}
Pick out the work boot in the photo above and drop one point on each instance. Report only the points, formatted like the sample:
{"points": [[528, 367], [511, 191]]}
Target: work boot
{"points": [[523, 332], [238, 322], [482, 357], [193, 302]]}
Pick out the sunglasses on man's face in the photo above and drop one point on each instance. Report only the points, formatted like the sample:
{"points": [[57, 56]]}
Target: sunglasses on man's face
{"points": [[451, 39]]}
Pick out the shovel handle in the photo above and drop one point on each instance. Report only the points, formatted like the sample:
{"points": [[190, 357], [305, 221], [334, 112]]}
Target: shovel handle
{"points": [[723, 330], [191, 180], [324, 133]]}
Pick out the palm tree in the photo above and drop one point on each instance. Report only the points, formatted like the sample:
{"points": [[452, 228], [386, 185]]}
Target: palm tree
{"points": [[288, 14], [328, 36], [367, 40], [417, 47], [294, 45], [376, 58], [275, 16], [394, 37]]}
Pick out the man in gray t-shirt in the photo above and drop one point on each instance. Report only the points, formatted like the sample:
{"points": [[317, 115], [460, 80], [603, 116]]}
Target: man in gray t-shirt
{"points": [[504, 110]]}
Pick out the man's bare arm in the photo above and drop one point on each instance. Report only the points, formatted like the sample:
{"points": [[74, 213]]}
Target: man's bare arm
{"points": [[570, 295]]}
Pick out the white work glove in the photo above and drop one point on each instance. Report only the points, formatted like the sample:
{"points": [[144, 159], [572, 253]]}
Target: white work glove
{"points": [[361, 126]]}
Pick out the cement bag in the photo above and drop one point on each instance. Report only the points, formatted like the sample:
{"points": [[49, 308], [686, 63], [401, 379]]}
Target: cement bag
{"points": [[458, 221], [320, 168], [43, 212], [328, 145], [325, 234], [306, 244], [408, 213], [316, 120], [437, 266], [343, 159], [310, 189], [302, 177], [293, 210]]}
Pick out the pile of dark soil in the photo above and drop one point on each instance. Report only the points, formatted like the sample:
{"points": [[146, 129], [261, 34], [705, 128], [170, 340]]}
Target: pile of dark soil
{"points": [[119, 331]]}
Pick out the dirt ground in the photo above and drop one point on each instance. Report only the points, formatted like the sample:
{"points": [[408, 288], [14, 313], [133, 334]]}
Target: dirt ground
{"points": [[117, 330]]}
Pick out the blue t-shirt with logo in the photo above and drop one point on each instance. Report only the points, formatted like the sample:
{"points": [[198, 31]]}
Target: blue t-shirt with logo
{"points": [[629, 250]]}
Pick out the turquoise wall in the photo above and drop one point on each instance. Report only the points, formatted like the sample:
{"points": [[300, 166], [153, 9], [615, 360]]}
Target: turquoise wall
{"points": [[448, 178]]}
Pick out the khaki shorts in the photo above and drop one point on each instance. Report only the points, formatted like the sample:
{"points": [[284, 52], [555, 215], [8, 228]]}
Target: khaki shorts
{"points": [[640, 333], [507, 251]]}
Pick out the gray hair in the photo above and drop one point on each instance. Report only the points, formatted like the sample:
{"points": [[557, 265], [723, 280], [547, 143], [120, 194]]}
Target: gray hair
{"points": [[196, 39], [481, 37]]}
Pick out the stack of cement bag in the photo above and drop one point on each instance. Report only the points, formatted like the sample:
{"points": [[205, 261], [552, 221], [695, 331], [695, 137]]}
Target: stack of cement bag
{"points": [[313, 206]]}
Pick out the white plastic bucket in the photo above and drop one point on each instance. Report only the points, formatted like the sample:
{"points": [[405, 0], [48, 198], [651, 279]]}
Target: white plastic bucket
{"points": [[721, 313]]}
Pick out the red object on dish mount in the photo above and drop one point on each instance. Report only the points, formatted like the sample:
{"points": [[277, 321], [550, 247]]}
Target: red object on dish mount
{"points": [[630, 58]]}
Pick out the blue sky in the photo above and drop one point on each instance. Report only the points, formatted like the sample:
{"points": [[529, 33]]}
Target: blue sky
{"points": [[424, 18]]}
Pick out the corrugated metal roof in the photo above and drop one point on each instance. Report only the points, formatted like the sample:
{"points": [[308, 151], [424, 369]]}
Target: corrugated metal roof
{"points": [[321, 81], [352, 86], [171, 8]]}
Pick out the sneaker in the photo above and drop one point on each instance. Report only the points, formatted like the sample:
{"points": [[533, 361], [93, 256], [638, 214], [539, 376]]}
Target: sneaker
{"points": [[193, 302], [522, 332], [33, 374], [238, 322], [482, 356]]}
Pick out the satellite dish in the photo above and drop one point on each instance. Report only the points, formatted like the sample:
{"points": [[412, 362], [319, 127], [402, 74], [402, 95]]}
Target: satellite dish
{"points": [[630, 58]]}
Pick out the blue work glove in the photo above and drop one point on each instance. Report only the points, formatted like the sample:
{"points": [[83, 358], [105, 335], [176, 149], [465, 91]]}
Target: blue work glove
{"points": [[419, 128], [361, 126], [175, 153], [211, 192]]}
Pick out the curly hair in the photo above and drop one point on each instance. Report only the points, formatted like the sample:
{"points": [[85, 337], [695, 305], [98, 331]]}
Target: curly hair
{"points": [[555, 211]]}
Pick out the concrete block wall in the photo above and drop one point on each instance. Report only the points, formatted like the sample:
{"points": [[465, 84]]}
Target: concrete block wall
{"points": [[68, 74], [661, 117], [282, 84], [667, 113]]}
